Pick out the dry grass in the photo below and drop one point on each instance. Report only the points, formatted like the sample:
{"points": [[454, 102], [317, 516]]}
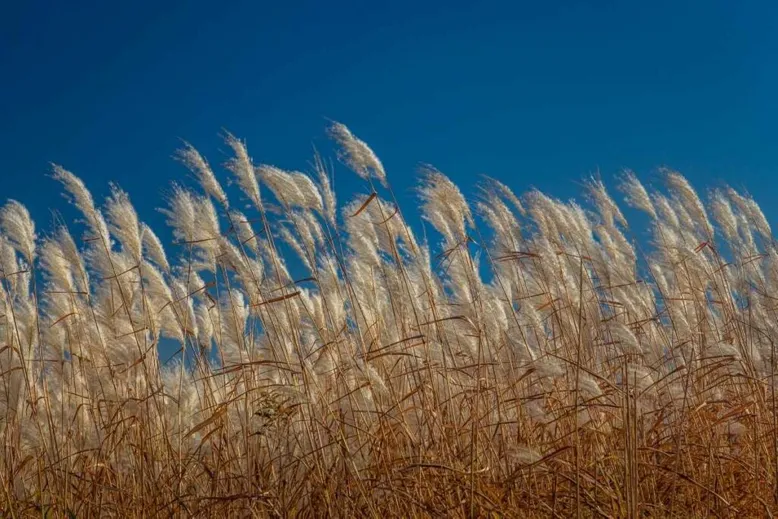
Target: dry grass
{"points": [[531, 362]]}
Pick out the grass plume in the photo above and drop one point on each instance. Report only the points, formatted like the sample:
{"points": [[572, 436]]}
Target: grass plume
{"points": [[532, 360]]}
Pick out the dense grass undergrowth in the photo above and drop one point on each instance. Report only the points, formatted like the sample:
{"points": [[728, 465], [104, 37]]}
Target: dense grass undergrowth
{"points": [[530, 360]]}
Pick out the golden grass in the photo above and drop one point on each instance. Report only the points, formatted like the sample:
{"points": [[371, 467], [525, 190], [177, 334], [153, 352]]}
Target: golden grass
{"points": [[534, 364]]}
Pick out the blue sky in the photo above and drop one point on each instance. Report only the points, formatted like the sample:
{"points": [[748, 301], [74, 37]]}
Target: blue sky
{"points": [[533, 95]]}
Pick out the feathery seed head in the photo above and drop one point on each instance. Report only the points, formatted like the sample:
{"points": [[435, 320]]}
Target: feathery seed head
{"points": [[636, 194], [243, 169], [444, 206], [195, 162], [19, 229], [357, 154]]}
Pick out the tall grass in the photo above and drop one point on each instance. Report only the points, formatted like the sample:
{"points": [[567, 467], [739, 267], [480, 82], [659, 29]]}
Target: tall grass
{"points": [[530, 360]]}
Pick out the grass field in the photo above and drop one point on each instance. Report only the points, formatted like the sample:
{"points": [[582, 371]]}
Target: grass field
{"points": [[532, 358]]}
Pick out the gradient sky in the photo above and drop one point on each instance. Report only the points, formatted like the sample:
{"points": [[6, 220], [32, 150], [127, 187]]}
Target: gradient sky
{"points": [[533, 95]]}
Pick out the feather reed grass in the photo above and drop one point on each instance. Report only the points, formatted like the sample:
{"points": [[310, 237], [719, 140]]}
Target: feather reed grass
{"points": [[533, 360]]}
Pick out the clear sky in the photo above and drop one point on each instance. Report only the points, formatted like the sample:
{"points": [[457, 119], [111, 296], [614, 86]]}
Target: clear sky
{"points": [[533, 94]]}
